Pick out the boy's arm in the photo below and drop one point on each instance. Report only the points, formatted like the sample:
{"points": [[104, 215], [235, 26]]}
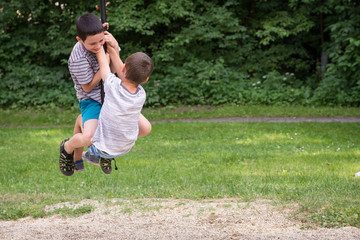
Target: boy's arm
{"points": [[113, 50], [103, 63], [117, 64], [112, 67], [90, 86]]}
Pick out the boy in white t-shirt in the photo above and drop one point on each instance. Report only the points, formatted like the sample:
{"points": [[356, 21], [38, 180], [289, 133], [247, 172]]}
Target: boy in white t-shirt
{"points": [[118, 127]]}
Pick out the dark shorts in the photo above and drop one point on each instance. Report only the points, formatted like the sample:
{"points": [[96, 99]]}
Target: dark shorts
{"points": [[94, 152], [90, 109]]}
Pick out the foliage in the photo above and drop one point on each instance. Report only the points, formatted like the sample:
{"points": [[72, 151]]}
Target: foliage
{"points": [[31, 85], [341, 84], [205, 52], [197, 82]]}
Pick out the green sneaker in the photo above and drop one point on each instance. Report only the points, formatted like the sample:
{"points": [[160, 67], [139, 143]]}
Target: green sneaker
{"points": [[66, 162], [105, 164]]}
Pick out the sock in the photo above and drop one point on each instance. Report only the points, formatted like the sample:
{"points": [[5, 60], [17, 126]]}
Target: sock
{"points": [[78, 162], [79, 165]]}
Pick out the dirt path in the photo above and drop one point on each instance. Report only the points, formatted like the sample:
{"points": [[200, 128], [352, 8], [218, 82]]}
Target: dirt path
{"points": [[173, 219], [267, 119]]}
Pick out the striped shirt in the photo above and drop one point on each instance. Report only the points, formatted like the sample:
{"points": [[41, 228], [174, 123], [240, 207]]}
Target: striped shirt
{"points": [[82, 66], [118, 127]]}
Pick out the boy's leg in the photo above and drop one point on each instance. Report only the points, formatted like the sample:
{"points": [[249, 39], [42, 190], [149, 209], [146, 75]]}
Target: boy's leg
{"points": [[78, 161], [84, 138], [83, 132], [87, 131], [78, 129], [144, 126], [70, 163], [90, 111], [67, 147]]}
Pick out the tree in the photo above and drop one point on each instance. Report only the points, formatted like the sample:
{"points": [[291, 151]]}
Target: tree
{"points": [[205, 52]]}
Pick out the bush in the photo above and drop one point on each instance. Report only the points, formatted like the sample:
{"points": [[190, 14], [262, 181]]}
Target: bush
{"points": [[205, 52], [278, 89], [32, 85], [196, 82], [200, 82]]}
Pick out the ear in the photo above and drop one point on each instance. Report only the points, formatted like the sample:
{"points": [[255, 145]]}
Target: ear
{"points": [[79, 39], [123, 70], [147, 79]]}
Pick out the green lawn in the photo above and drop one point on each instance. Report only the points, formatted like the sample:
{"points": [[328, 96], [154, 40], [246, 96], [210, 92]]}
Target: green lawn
{"points": [[310, 164], [55, 116]]}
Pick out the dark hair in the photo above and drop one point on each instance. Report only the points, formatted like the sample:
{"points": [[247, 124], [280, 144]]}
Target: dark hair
{"points": [[139, 66], [88, 25]]}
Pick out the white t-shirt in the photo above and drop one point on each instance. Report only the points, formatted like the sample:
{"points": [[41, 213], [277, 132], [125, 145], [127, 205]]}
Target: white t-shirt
{"points": [[118, 126]]}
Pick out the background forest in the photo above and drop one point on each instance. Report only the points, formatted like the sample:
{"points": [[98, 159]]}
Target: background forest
{"points": [[295, 52]]}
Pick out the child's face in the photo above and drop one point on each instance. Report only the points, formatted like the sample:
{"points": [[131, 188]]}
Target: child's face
{"points": [[93, 43]]}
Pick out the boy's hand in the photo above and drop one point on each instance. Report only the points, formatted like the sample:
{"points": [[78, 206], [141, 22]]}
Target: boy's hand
{"points": [[100, 54], [106, 26], [103, 60], [111, 41]]}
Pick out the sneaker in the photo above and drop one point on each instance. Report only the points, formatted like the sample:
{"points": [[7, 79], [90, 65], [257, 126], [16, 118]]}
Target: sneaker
{"points": [[79, 166], [105, 164], [66, 162], [93, 160]]}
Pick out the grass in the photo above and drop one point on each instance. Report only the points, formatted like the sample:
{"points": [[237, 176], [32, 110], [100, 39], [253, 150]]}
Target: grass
{"points": [[54, 116], [310, 164], [66, 211]]}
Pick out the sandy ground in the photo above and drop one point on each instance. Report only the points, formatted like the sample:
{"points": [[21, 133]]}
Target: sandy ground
{"points": [[172, 219]]}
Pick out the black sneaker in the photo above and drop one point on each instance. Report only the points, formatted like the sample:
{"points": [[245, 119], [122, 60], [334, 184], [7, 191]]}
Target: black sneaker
{"points": [[66, 162], [105, 164]]}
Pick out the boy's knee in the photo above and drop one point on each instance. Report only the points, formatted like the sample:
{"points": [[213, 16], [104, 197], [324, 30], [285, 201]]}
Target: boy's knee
{"points": [[87, 139], [77, 128], [148, 129], [79, 120], [145, 130], [89, 130]]}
